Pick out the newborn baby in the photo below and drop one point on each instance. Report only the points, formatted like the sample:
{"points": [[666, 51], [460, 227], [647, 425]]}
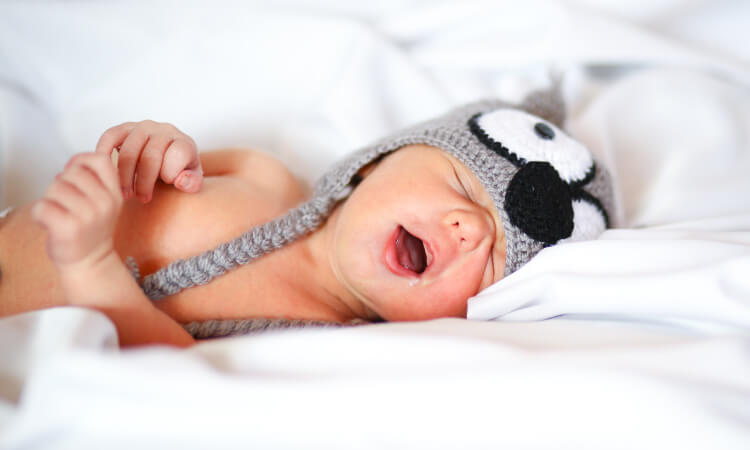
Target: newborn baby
{"points": [[406, 229]]}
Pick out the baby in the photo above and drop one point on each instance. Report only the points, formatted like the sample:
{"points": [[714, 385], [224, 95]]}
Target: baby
{"points": [[406, 229]]}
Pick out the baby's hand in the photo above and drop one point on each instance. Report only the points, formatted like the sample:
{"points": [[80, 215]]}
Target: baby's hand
{"points": [[80, 210], [149, 150]]}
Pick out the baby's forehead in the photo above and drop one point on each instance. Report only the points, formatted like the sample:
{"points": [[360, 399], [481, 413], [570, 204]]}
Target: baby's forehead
{"points": [[425, 160]]}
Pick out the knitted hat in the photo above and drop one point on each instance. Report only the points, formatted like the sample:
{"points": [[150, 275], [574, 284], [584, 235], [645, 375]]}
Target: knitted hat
{"points": [[547, 187]]}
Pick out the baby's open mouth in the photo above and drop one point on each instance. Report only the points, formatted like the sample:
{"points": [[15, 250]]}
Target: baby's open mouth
{"points": [[410, 251]]}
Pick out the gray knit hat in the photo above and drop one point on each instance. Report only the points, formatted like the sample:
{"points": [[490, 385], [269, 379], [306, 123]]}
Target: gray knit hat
{"points": [[547, 187]]}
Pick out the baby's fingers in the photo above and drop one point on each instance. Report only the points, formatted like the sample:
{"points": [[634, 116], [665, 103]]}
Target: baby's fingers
{"points": [[127, 161], [50, 214], [69, 197], [102, 168], [101, 201], [148, 150], [189, 181], [114, 137], [80, 208], [149, 166], [182, 166], [66, 235]]}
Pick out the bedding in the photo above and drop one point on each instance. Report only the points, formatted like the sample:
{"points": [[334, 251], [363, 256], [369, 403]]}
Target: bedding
{"points": [[638, 339]]}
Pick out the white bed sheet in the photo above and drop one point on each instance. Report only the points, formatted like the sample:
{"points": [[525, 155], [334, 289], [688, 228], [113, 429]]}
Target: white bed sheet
{"points": [[441, 384], [649, 330]]}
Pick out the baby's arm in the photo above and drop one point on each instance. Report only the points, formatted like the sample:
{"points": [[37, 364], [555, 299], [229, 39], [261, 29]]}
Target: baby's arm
{"points": [[79, 212], [149, 151]]}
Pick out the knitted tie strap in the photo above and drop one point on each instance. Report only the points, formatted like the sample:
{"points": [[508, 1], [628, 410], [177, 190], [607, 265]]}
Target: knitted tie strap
{"points": [[223, 328], [197, 270]]}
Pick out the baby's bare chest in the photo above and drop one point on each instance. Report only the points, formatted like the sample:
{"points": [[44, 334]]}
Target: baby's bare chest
{"points": [[177, 225]]}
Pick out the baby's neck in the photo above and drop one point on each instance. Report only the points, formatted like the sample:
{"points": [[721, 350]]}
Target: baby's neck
{"points": [[315, 274]]}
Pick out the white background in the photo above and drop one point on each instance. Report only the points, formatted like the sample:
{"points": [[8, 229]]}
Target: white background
{"points": [[636, 340]]}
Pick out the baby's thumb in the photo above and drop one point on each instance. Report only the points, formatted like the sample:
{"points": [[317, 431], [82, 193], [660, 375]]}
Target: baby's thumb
{"points": [[189, 181]]}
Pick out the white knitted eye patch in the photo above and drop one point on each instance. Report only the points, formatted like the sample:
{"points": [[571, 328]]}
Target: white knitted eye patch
{"points": [[516, 130], [588, 222]]}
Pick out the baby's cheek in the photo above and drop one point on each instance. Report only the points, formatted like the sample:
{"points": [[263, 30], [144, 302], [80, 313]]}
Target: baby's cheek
{"points": [[432, 303], [453, 300], [452, 293]]}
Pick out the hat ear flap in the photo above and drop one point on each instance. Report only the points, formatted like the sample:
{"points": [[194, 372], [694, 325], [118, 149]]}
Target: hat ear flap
{"points": [[547, 104]]}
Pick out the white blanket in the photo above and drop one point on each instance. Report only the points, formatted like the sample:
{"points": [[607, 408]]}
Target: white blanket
{"points": [[636, 340]]}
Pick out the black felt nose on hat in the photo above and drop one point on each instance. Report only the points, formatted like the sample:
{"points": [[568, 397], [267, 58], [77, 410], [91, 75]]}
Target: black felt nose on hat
{"points": [[539, 202]]}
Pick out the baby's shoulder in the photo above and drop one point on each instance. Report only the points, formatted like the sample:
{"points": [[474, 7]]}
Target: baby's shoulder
{"points": [[262, 170]]}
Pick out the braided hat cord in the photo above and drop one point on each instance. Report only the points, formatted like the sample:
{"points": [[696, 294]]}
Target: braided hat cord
{"points": [[258, 241]]}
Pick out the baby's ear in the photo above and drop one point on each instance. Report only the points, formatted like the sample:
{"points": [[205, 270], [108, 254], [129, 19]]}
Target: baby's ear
{"points": [[361, 174], [366, 170], [546, 103]]}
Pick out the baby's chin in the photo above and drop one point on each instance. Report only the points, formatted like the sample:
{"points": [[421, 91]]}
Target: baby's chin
{"points": [[393, 298], [422, 307], [382, 303]]}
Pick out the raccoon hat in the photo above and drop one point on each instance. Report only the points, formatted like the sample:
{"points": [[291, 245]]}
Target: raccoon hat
{"points": [[547, 187]]}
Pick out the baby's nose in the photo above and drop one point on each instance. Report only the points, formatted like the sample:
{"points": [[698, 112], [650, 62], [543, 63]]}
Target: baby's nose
{"points": [[469, 228]]}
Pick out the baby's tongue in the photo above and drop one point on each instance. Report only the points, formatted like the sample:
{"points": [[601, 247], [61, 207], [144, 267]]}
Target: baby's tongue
{"points": [[410, 251]]}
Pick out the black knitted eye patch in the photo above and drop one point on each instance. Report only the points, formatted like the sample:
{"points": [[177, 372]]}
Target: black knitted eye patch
{"points": [[539, 203]]}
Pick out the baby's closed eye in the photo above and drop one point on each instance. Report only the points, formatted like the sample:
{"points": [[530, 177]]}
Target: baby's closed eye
{"points": [[463, 186]]}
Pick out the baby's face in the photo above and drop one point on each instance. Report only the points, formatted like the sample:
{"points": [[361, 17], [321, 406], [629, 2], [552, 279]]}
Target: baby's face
{"points": [[417, 237]]}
